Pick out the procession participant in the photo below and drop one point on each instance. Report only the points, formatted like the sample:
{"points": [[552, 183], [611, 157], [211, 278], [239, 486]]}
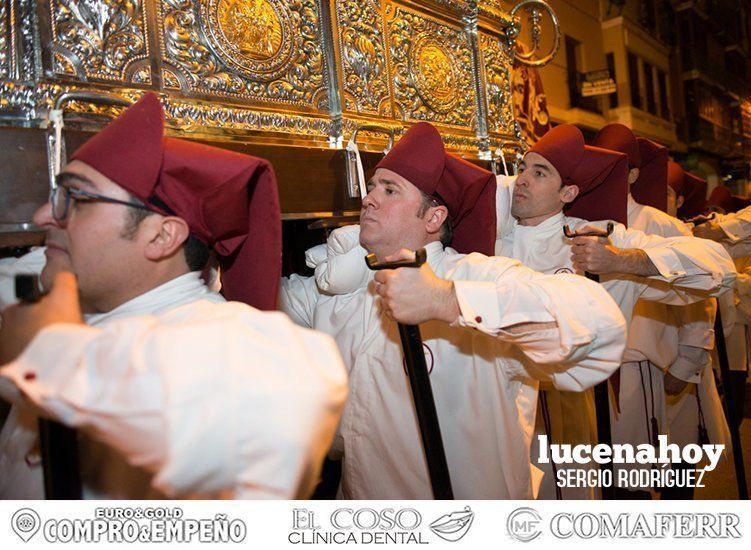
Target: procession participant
{"points": [[561, 171], [720, 200], [663, 340], [678, 188], [178, 392], [733, 230], [491, 330], [695, 198]]}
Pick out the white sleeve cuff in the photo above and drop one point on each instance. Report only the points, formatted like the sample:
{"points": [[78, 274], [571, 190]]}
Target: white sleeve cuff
{"points": [[667, 262], [480, 305]]}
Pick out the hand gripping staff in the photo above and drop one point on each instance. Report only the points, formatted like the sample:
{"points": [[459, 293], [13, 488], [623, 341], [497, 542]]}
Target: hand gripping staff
{"points": [[602, 398], [58, 443], [422, 394]]}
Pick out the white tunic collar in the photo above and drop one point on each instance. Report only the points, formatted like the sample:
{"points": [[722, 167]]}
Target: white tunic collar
{"points": [[542, 230], [179, 291], [436, 252]]}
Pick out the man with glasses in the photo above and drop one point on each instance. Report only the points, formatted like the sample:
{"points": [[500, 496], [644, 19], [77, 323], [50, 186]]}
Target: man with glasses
{"points": [[178, 392]]}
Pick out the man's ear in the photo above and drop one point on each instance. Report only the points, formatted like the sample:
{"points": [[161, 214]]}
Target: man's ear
{"points": [[568, 193], [679, 201], [437, 215], [166, 236], [633, 175]]}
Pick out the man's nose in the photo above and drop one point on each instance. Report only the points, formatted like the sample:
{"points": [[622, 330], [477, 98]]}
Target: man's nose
{"points": [[43, 216], [369, 200]]}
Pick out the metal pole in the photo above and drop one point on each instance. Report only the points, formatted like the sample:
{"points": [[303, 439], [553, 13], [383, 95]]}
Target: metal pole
{"points": [[422, 394]]}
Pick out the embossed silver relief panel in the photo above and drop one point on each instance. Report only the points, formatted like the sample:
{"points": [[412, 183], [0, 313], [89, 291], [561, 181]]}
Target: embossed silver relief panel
{"points": [[99, 39], [431, 61], [362, 50], [267, 51], [395, 62], [496, 62]]}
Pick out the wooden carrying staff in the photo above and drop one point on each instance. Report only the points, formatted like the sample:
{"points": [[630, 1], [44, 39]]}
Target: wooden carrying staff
{"points": [[422, 394], [58, 443]]}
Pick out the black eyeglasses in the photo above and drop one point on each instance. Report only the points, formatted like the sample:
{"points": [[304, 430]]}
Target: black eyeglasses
{"points": [[61, 204]]}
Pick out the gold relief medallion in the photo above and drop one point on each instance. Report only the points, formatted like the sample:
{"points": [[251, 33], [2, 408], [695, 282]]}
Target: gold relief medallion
{"points": [[253, 36], [432, 68], [253, 26]]}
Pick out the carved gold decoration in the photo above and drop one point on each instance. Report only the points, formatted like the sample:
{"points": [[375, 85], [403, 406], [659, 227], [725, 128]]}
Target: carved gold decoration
{"points": [[432, 64], [497, 61], [142, 75], [64, 65], [434, 75], [252, 36], [267, 51], [102, 37], [183, 116], [361, 43], [170, 79], [252, 26]]}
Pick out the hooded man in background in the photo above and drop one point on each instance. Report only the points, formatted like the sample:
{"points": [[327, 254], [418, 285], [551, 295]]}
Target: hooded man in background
{"points": [[665, 341]]}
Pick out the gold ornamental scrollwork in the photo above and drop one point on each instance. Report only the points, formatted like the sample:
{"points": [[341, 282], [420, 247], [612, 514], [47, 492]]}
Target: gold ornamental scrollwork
{"points": [[255, 37], [265, 51], [432, 69]]}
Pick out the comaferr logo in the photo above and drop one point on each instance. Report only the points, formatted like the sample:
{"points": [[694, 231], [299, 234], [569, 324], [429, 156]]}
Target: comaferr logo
{"points": [[523, 524], [452, 527], [698, 525]]}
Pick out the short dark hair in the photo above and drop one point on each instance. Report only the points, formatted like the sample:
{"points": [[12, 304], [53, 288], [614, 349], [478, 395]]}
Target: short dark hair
{"points": [[447, 230], [196, 252]]}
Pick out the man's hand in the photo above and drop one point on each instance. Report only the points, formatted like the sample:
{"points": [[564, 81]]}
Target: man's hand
{"points": [[599, 255], [709, 230], [22, 322], [594, 254], [674, 386], [413, 295]]}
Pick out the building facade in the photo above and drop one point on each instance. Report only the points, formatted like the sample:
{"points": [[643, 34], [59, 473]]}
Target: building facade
{"points": [[682, 73]]}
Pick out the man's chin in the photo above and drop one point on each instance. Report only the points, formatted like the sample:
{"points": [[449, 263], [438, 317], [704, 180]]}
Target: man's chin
{"points": [[53, 266]]}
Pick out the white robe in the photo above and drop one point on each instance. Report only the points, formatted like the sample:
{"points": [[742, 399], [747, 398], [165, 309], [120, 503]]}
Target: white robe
{"points": [[484, 378], [677, 339], [688, 271], [193, 396], [737, 229]]}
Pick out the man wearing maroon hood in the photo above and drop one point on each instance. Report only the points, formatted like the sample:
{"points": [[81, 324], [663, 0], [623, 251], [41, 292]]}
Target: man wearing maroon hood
{"points": [[191, 395], [666, 342], [564, 182], [492, 329]]}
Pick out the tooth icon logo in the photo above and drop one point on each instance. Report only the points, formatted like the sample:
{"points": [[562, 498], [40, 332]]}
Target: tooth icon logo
{"points": [[452, 527], [25, 522]]}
